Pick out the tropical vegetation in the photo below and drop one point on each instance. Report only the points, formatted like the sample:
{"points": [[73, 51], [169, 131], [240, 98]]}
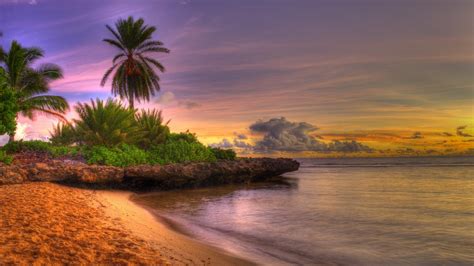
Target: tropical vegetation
{"points": [[27, 85], [105, 131], [153, 130], [8, 109], [106, 123]]}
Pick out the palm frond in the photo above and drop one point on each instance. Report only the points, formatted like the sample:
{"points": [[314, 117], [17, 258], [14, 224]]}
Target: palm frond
{"points": [[107, 74], [50, 72], [149, 44], [155, 50]]}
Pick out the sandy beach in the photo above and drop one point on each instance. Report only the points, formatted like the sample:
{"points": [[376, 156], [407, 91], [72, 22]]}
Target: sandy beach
{"points": [[45, 223]]}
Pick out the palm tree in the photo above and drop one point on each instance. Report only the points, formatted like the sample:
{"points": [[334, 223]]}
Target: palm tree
{"points": [[30, 84], [135, 76]]}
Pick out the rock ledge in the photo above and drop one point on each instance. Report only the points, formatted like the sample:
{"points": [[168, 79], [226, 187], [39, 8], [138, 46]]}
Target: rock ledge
{"points": [[145, 176]]}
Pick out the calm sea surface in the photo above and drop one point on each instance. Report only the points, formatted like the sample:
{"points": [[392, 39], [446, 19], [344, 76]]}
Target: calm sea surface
{"points": [[397, 211]]}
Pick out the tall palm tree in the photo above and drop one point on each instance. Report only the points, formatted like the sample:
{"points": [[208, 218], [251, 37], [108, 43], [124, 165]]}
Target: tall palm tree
{"points": [[134, 71], [30, 84]]}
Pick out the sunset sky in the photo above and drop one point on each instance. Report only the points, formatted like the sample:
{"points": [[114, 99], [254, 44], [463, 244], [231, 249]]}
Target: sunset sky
{"points": [[279, 76]]}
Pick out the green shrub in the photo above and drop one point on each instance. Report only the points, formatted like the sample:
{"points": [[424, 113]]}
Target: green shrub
{"points": [[106, 124], [183, 136], [224, 154], [180, 152], [5, 158], [121, 156], [40, 146], [63, 134], [24, 146], [60, 151], [154, 132]]}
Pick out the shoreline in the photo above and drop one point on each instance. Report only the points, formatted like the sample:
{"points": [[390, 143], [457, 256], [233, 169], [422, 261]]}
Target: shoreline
{"points": [[161, 234], [47, 223]]}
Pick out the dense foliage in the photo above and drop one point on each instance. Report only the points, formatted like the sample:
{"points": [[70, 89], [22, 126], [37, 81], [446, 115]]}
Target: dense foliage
{"points": [[134, 70], [105, 132], [224, 154], [123, 155], [38, 146], [8, 110], [153, 131], [106, 123], [180, 152], [183, 136], [5, 158], [170, 152], [63, 134], [174, 151]]}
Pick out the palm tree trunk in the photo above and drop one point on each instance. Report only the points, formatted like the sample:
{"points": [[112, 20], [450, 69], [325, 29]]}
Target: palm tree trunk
{"points": [[12, 137], [131, 103]]}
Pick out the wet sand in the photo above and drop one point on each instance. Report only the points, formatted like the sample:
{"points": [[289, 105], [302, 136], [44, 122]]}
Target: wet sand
{"points": [[45, 223]]}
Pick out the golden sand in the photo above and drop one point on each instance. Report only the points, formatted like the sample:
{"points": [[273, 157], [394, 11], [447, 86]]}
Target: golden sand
{"points": [[44, 224]]}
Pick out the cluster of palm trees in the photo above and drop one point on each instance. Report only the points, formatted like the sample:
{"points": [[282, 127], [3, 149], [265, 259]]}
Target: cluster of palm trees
{"points": [[133, 72]]}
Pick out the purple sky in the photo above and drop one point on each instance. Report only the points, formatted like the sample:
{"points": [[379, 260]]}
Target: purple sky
{"points": [[355, 69]]}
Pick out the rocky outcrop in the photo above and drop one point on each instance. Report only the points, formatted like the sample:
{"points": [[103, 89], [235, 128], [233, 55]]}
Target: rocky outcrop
{"points": [[61, 171], [145, 176], [206, 174], [15, 174]]}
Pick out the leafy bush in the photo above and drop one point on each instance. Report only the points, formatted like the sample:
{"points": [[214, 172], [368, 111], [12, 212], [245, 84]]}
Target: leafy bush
{"points": [[121, 156], [128, 155], [180, 152], [5, 158], [40, 146], [183, 136], [224, 154], [124, 155], [23, 146], [106, 123], [60, 151], [63, 134], [154, 132]]}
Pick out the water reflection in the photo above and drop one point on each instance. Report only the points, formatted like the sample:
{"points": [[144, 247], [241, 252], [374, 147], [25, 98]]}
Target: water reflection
{"points": [[400, 215], [190, 200]]}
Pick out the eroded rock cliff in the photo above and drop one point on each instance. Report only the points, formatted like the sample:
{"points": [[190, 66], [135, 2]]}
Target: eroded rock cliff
{"points": [[145, 176]]}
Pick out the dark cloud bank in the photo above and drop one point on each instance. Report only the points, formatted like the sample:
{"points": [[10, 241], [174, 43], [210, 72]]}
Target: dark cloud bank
{"points": [[279, 134], [459, 132]]}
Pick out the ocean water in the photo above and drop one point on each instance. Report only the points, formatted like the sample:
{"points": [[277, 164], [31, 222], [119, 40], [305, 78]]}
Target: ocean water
{"points": [[395, 211]]}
